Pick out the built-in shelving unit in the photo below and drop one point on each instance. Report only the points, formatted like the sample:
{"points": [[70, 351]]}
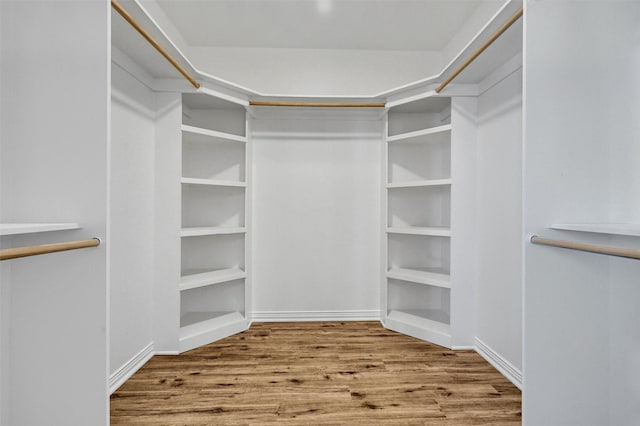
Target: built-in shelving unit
{"points": [[416, 287], [31, 228], [214, 278]]}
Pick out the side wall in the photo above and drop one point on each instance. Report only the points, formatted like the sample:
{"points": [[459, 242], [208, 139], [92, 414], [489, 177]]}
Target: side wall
{"points": [[145, 224], [581, 157], [55, 133], [498, 220], [131, 213]]}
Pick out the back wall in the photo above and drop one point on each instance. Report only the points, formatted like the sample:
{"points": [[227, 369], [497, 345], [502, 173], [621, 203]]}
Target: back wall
{"points": [[316, 214]]}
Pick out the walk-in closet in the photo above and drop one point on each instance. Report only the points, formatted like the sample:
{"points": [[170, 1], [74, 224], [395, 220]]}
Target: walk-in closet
{"points": [[461, 175]]}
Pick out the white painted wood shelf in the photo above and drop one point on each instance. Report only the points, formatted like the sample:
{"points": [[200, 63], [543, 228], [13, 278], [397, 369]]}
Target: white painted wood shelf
{"points": [[433, 134], [427, 324], [211, 182], [200, 328], [421, 230], [430, 276], [201, 278], [420, 183], [210, 230], [198, 134], [628, 229], [31, 228]]}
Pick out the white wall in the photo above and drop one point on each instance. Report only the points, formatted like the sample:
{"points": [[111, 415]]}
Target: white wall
{"points": [[131, 212], [316, 214], [4, 266], [581, 132], [623, 127], [463, 226], [498, 219], [320, 72], [4, 343], [624, 331], [54, 129], [167, 214]]}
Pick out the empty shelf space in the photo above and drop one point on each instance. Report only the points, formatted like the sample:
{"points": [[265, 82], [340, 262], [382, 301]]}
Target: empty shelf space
{"points": [[419, 162], [431, 276], [421, 136], [30, 228], [419, 183], [211, 182], [200, 278], [210, 230], [431, 231], [212, 135], [629, 229]]}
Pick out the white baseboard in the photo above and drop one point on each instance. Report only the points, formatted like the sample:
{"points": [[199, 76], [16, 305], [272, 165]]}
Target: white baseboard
{"points": [[122, 374], [502, 365], [290, 316]]}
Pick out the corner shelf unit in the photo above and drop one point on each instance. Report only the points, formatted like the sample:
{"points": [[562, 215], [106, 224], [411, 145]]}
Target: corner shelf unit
{"points": [[214, 250], [416, 289]]}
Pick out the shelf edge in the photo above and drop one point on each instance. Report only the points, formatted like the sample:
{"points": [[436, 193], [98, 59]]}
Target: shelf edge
{"points": [[9, 229]]}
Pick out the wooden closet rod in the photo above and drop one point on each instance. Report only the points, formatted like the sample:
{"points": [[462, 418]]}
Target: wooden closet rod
{"points": [[591, 248], [320, 104], [14, 253], [482, 48], [153, 42]]}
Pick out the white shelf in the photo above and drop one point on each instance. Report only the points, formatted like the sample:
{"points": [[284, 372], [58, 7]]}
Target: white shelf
{"points": [[630, 229], [211, 182], [431, 276], [201, 328], [210, 230], [421, 230], [419, 183], [30, 228], [195, 279], [213, 135], [426, 324], [419, 135]]}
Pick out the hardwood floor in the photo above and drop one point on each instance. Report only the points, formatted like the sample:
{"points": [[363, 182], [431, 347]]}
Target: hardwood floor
{"points": [[352, 373]]}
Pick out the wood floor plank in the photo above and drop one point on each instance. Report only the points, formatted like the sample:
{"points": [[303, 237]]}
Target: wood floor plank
{"points": [[354, 373]]}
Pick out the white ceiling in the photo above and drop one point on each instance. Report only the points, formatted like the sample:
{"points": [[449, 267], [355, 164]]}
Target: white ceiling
{"points": [[320, 24]]}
